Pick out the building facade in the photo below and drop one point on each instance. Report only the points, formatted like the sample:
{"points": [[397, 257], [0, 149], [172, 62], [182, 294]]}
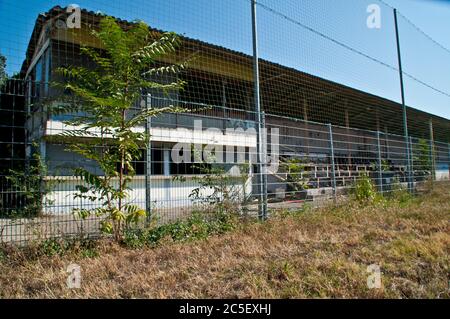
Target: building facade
{"points": [[297, 105]]}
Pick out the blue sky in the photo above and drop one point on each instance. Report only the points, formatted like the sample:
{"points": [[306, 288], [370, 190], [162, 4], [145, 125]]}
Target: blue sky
{"points": [[286, 41]]}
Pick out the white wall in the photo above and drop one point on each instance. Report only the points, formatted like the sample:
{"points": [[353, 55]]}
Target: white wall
{"points": [[442, 172], [165, 193]]}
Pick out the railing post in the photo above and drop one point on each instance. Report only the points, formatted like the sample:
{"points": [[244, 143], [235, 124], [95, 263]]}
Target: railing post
{"points": [[148, 160], [402, 91], [262, 207], [380, 164], [333, 172]]}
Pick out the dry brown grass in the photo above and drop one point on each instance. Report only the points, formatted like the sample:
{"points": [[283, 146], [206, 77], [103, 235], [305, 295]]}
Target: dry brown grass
{"points": [[320, 253]]}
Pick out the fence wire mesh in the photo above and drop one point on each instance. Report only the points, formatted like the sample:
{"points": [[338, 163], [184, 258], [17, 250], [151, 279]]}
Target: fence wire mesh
{"points": [[317, 108]]}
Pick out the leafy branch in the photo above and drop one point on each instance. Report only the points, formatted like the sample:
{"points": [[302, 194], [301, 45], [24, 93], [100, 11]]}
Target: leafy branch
{"points": [[104, 108]]}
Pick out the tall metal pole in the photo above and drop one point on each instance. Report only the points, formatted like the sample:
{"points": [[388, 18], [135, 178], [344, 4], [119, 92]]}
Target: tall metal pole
{"points": [[333, 171], [405, 119], [259, 147]]}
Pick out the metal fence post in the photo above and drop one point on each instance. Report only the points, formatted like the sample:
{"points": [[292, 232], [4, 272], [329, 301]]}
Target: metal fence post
{"points": [[402, 91], [432, 152], [448, 162], [148, 160], [262, 207], [264, 163], [333, 172], [380, 164], [411, 154]]}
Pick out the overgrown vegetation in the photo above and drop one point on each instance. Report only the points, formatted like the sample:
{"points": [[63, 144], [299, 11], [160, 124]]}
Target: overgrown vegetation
{"points": [[219, 191], [421, 159], [3, 75], [364, 189], [295, 180], [219, 205], [105, 107], [322, 253], [198, 226], [398, 192], [51, 248], [30, 189], [365, 192]]}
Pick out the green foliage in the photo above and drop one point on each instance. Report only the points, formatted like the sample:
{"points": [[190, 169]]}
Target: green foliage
{"points": [[399, 193], [364, 189], [31, 187], [294, 168], [385, 167], [62, 246], [105, 108], [198, 226], [53, 247], [421, 158], [3, 75], [283, 271], [220, 191]]}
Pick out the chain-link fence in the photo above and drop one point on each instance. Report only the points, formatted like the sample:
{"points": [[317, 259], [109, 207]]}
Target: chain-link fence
{"points": [[282, 104]]}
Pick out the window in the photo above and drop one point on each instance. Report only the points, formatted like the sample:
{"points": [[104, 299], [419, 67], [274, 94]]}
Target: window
{"points": [[38, 78], [186, 168], [157, 161], [46, 78], [157, 158]]}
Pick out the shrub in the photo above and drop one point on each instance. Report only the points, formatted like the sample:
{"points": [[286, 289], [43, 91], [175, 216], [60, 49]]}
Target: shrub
{"points": [[62, 246], [295, 181], [399, 193], [364, 189], [30, 190], [197, 227], [219, 191]]}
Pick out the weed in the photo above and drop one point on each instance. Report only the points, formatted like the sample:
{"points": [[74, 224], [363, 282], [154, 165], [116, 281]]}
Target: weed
{"points": [[364, 190], [63, 246], [281, 271], [198, 226]]}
